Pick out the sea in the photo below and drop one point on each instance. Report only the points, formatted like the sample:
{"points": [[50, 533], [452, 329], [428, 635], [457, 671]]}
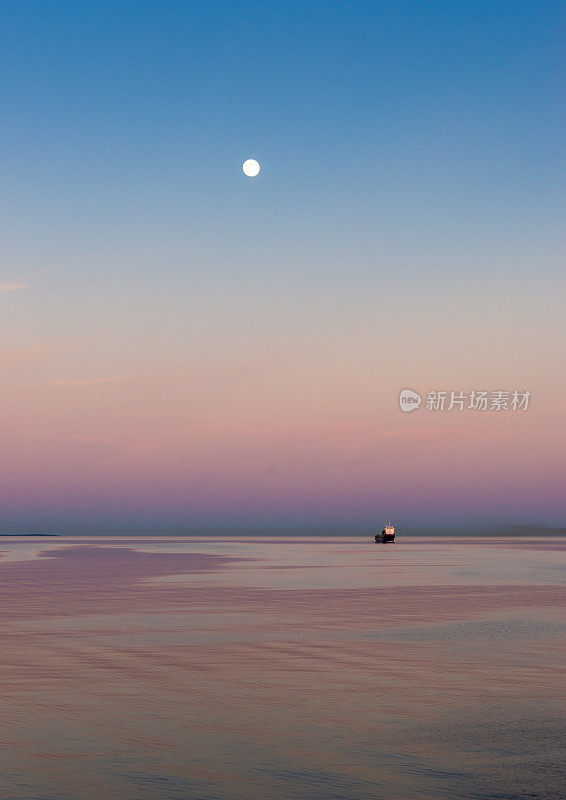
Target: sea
{"points": [[292, 667]]}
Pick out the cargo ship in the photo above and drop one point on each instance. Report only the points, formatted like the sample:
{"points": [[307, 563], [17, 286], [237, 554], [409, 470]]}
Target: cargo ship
{"points": [[387, 534]]}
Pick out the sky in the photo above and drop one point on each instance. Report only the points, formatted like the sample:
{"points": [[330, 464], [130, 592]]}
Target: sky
{"points": [[182, 345]]}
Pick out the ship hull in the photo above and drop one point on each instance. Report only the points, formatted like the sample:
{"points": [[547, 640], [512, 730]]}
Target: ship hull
{"points": [[385, 537]]}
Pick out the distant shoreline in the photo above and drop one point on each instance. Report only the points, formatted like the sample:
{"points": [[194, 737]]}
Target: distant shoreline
{"points": [[28, 534], [80, 531]]}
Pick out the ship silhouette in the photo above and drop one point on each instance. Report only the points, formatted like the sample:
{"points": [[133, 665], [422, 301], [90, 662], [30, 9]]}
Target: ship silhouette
{"points": [[387, 534]]}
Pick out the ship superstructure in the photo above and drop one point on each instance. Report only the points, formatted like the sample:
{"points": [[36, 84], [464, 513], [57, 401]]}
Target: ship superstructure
{"points": [[387, 534]]}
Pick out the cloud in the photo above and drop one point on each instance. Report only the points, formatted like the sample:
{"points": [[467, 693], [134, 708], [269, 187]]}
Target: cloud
{"points": [[12, 287], [24, 357], [85, 381]]}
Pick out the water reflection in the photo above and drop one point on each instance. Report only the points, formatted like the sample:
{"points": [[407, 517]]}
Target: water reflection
{"points": [[291, 668]]}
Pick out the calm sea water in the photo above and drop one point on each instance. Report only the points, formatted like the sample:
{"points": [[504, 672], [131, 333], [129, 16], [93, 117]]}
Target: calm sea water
{"points": [[323, 668]]}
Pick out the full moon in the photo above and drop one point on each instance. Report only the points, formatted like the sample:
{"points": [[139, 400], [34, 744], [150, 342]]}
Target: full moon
{"points": [[251, 167]]}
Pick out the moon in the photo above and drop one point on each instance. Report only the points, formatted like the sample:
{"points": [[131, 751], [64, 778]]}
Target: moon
{"points": [[251, 168]]}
